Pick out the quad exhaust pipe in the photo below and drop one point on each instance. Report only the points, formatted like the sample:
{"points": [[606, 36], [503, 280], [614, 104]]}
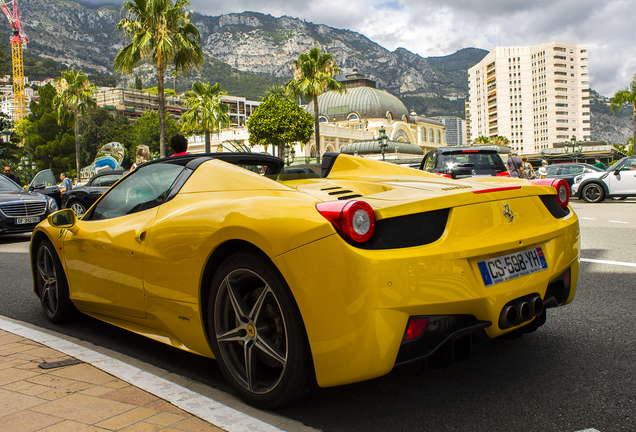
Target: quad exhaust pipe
{"points": [[520, 310]]}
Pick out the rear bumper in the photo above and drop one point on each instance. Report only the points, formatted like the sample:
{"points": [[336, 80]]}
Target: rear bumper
{"points": [[356, 303]]}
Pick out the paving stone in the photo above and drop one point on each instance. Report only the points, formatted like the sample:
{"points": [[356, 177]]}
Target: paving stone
{"points": [[71, 426], [126, 419], [83, 408], [10, 375], [194, 424], [165, 419], [162, 405], [65, 391], [50, 381], [27, 421], [11, 402], [131, 395], [83, 372]]}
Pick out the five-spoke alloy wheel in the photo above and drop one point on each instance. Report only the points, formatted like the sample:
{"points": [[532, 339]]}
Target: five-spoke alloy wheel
{"points": [[257, 333], [52, 285], [78, 208], [592, 193]]}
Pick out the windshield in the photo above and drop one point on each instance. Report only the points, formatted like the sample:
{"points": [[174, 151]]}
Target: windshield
{"points": [[7, 185], [473, 160], [615, 165]]}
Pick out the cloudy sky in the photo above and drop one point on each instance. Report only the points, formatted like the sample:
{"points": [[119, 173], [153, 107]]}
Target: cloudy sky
{"points": [[437, 28]]}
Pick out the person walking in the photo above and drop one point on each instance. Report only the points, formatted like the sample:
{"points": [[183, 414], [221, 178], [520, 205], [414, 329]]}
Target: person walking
{"points": [[66, 185], [13, 177], [600, 165], [143, 156], [543, 171], [528, 172], [514, 165], [179, 144]]}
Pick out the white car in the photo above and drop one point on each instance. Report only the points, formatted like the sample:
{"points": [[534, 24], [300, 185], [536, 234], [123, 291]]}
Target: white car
{"points": [[617, 181]]}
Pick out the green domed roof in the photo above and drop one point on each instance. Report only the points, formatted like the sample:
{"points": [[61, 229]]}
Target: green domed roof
{"points": [[365, 102]]}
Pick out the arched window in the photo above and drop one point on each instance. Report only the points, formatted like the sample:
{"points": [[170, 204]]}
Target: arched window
{"points": [[353, 117], [431, 138], [424, 134], [312, 152], [323, 119], [389, 116], [439, 137]]}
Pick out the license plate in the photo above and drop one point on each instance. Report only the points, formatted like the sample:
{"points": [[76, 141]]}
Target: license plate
{"points": [[27, 220], [506, 267]]}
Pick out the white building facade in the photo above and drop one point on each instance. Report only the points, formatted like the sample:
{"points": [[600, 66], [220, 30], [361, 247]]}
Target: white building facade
{"points": [[533, 95], [455, 130]]}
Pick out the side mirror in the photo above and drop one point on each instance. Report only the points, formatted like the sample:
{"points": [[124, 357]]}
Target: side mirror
{"points": [[63, 219], [36, 186], [617, 173]]}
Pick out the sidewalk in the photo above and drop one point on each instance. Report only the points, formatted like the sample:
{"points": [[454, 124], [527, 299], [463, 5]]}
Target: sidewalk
{"points": [[50, 383], [76, 397]]}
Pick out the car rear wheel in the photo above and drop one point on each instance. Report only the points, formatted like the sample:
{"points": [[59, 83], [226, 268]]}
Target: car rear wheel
{"points": [[52, 285], [257, 333], [78, 208], [592, 193]]}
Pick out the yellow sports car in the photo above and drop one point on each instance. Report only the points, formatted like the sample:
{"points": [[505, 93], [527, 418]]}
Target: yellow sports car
{"points": [[293, 279]]}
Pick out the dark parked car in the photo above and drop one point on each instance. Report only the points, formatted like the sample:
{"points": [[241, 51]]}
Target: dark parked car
{"points": [[568, 171], [44, 182], [80, 198], [464, 162], [21, 210]]}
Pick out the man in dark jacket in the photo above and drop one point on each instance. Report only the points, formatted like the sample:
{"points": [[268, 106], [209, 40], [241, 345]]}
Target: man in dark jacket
{"points": [[15, 178], [514, 165]]}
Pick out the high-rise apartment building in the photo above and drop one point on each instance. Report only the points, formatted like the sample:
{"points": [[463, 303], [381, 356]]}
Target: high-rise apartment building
{"points": [[533, 95], [455, 130]]}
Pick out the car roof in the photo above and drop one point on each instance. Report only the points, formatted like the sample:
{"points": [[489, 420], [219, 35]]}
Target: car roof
{"points": [[467, 149]]}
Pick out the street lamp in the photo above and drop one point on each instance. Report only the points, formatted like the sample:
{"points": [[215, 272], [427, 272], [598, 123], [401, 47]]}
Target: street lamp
{"points": [[28, 167], [576, 148], [290, 154], [6, 136], [382, 140]]}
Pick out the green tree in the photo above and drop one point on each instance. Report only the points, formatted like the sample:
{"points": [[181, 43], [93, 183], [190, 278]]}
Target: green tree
{"points": [[276, 91], [313, 75], [206, 112], [279, 122], [47, 138], [500, 140], [76, 93], [161, 31], [146, 131], [482, 140], [138, 84], [98, 128], [626, 96]]}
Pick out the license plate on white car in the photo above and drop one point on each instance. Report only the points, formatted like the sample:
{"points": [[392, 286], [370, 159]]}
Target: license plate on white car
{"points": [[27, 220], [506, 267]]}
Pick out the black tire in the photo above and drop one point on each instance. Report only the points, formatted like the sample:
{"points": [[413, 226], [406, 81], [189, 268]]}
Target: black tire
{"points": [[52, 285], [253, 318], [77, 207], [593, 193]]}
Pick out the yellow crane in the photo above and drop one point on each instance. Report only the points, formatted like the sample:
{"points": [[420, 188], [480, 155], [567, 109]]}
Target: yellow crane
{"points": [[18, 42]]}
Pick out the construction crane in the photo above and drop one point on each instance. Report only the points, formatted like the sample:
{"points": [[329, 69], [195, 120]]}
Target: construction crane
{"points": [[18, 42]]}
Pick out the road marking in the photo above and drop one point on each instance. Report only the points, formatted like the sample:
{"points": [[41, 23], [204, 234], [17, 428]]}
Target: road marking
{"points": [[581, 217], [613, 221], [198, 405], [620, 263], [588, 430]]}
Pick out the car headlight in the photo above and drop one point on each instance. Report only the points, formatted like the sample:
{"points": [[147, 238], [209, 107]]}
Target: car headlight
{"points": [[52, 204]]}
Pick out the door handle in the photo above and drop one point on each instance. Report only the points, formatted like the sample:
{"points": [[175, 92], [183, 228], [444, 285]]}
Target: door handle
{"points": [[141, 237]]}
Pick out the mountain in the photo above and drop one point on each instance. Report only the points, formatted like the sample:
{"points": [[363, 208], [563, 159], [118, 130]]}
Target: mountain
{"points": [[247, 52]]}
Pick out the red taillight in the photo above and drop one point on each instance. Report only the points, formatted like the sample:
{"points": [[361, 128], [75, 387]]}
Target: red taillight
{"points": [[503, 174], [443, 175], [415, 328], [563, 193], [354, 220], [566, 278], [499, 189], [562, 187]]}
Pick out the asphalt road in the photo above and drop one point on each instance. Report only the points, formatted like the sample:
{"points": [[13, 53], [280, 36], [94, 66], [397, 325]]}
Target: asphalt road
{"points": [[576, 372]]}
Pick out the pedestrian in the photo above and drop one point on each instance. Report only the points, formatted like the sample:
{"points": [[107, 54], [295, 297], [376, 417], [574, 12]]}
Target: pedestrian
{"points": [[143, 156], [179, 144], [600, 165], [528, 172], [66, 185], [514, 165], [543, 171], [15, 178]]}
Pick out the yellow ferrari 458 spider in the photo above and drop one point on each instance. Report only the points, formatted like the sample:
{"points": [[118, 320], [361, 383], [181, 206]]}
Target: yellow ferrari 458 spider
{"points": [[294, 279]]}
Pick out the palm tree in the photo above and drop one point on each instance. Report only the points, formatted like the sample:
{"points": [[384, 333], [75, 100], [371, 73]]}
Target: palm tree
{"points": [[161, 31], [278, 92], [500, 140], [313, 75], [482, 140], [626, 96], [207, 112], [75, 93]]}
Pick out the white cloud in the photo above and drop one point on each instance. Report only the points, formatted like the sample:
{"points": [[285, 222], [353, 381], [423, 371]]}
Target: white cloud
{"points": [[436, 28]]}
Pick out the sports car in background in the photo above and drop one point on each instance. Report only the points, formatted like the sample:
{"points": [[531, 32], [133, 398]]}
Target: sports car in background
{"points": [[80, 198], [316, 278]]}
